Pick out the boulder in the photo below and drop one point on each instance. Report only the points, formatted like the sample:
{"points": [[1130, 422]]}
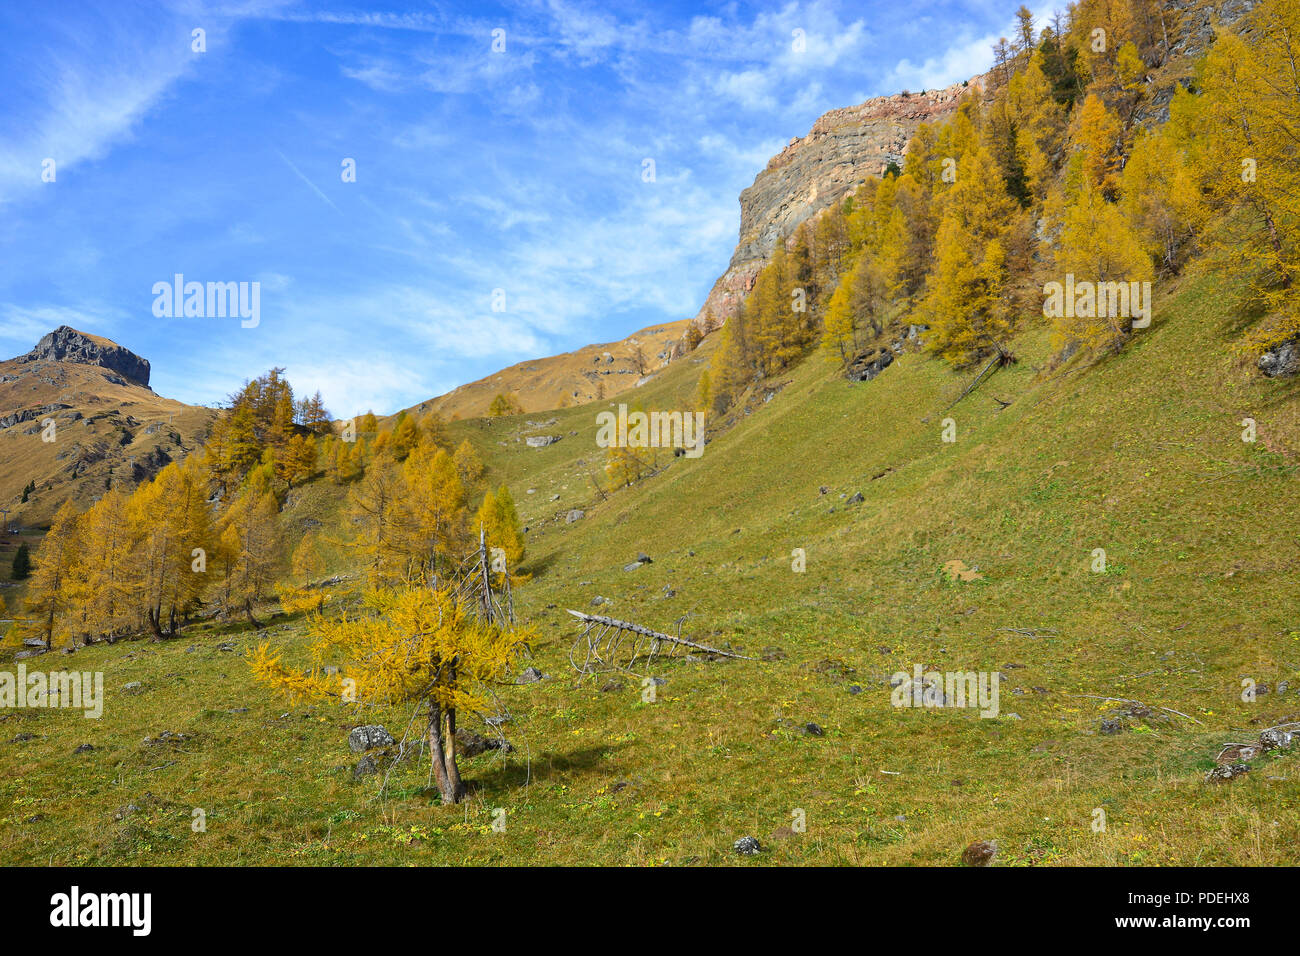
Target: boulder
{"points": [[867, 365], [747, 846], [1281, 360], [368, 738], [979, 853]]}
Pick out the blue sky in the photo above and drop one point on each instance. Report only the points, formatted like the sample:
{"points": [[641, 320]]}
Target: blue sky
{"points": [[476, 170]]}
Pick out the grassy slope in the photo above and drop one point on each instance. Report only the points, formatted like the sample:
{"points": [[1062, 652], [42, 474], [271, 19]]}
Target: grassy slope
{"points": [[1200, 592]]}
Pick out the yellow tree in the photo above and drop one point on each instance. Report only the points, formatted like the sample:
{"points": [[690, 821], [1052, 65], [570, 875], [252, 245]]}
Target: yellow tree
{"points": [[499, 520], [468, 465], [172, 530], [504, 405], [253, 545], [965, 303], [412, 646], [298, 594], [376, 510], [106, 587], [1098, 245], [1098, 148], [51, 587], [704, 393], [1039, 123], [1241, 137], [1160, 197], [431, 512]]}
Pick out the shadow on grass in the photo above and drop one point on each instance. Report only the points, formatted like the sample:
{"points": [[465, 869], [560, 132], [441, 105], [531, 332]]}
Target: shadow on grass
{"points": [[541, 769]]}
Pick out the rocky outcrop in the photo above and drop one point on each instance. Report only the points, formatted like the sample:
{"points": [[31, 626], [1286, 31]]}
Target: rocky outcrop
{"points": [[66, 344], [813, 173]]}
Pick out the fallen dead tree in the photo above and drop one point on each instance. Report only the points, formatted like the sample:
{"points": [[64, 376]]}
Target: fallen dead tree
{"points": [[606, 643]]}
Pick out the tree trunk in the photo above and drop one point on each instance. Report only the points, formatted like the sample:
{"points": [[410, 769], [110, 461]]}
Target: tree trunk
{"points": [[248, 610], [154, 625], [453, 772], [450, 793]]}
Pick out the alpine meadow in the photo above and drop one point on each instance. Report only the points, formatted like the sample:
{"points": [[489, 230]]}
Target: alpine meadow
{"points": [[511, 511]]}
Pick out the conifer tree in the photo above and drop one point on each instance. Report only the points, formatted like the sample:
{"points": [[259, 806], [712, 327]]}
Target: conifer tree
{"points": [[468, 465], [49, 594], [413, 646], [252, 542], [965, 303]]}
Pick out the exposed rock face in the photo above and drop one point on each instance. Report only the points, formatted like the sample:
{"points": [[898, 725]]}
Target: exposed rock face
{"points": [[1281, 360], [66, 344], [843, 148]]}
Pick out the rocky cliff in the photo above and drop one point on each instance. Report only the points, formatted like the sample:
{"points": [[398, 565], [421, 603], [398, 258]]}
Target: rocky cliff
{"points": [[77, 417], [843, 148], [66, 344]]}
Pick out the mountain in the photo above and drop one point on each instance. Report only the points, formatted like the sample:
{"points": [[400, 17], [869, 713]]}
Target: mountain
{"points": [[813, 173], [571, 378], [109, 427]]}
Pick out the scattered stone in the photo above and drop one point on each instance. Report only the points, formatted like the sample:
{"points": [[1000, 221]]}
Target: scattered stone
{"points": [[24, 655], [497, 720], [669, 592], [614, 684], [979, 853], [369, 737], [227, 646], [166, 737], [632, 567], [366, 766], [471, 744], [1112, 725], [813, 730], [855, 689], [530, 675], [84, 749], [867, 365], [126, 811], [823, 490], [132, 687], [597, 600], [772, 653], [1236, 753], [1274, 739], [574, 515], [747, 846], [1281, 360], [657, 681], [541, 441], [33, 642], [22, 738], [856, 499], [1225, 773]]}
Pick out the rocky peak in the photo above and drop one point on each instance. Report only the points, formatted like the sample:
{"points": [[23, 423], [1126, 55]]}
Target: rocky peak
{"points": [[814, 172], [66, 344]]}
